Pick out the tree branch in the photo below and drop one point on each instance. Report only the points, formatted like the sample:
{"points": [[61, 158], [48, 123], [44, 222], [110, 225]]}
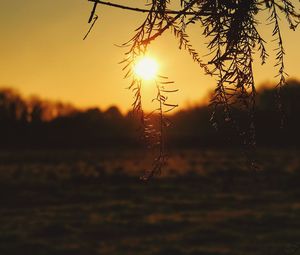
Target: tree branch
{"points": [[139, 9], [169, 23]]}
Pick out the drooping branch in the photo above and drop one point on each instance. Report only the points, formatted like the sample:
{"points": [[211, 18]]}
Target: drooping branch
{"points": [[128, 8], [231, 28]]}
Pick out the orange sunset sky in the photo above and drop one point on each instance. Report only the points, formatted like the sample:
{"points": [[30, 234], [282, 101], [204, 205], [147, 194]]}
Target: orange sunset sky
{"points": [[42, 53]]}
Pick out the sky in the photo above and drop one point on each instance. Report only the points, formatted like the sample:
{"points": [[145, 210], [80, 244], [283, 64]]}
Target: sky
{"points": [[42, 53]]}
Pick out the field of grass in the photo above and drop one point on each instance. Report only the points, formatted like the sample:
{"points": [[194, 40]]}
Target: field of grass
{"points": [[92, 202]]}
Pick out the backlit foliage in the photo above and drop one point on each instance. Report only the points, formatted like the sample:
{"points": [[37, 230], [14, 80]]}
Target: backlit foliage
{"points": [[231, 26]]}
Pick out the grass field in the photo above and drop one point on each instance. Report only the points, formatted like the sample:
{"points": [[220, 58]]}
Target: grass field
{"points": [[92, 202]]}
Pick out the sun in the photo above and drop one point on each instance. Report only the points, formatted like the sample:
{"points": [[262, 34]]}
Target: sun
{"points": [[146, 68]]}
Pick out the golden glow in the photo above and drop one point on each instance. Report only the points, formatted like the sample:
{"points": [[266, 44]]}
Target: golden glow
{"points": [[86, 73], [146, 68]]}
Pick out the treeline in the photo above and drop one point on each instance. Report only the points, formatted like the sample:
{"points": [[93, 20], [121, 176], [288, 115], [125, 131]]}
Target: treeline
{"points": [[30, 123], [39, 123], [276, 122]]}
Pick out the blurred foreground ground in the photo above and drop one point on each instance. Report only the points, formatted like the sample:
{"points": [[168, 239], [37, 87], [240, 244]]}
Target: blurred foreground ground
{"points": [[92, 202]]}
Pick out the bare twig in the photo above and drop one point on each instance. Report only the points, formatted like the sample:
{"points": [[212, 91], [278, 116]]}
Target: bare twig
{"points": [[91, 27], [93, 12], [139, 9]]}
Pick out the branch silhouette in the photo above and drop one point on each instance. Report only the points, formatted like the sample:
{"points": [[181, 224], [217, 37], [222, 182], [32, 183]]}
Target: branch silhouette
{"points": [[139, 9], [231, 28]]}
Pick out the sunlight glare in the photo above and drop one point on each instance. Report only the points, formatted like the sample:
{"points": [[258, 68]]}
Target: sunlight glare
{"points": [[146, 68]]}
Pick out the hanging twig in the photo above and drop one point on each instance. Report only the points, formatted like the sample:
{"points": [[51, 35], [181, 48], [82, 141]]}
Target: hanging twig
{"points": [[93, 12], [170, 22], [91, 27]]}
